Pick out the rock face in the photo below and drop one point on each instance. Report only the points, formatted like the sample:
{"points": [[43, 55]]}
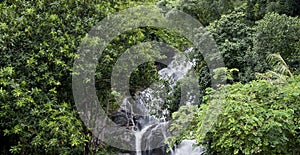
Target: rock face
{"points": [[150, 134], [123, 119]]}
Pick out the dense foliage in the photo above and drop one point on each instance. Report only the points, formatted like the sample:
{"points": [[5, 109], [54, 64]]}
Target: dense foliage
{"points": [[260, 114], [278, 34], [260, 117], [206, 11], [38, 42], [234, 35], [256, 9]]}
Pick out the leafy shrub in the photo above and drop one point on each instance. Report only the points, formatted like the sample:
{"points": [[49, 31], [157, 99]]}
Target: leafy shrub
{"points": [[257, 118], [260, 117]]}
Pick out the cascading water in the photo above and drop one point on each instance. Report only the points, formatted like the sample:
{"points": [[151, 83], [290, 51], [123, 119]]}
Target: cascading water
{"points": [[139, 137], [153, 121]]}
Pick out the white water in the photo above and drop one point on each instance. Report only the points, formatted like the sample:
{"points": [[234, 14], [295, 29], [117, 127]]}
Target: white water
{"points": [[150, 102], [139, 138], [187, 147]]}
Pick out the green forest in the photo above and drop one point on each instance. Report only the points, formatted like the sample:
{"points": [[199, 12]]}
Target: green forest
{"points": [[258, 99]]}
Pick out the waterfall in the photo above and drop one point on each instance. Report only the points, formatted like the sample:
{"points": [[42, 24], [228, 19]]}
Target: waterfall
{"points": [[139, 138], [150, 127]]}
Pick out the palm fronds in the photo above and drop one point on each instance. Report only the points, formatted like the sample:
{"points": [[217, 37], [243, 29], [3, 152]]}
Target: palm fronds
{"points": [[279, 65]]}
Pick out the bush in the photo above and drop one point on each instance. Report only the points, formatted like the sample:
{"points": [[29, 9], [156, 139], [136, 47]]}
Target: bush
{"points": [[260, 117]]}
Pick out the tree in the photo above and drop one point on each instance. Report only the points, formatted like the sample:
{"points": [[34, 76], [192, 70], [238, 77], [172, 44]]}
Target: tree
{"points": [[256, 9], [206, 11], [278, 34], [38, 42], [234, 36]]}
